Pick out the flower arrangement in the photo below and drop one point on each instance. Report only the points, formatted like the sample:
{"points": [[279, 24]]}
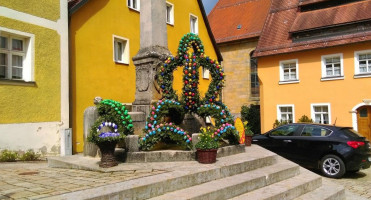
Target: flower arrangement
{"points": [[248, 131], [208, 140]]}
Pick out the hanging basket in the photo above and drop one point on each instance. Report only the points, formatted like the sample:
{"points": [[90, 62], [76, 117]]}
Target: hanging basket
{"points": [[107, 150], [248, 139], [206, 156]]}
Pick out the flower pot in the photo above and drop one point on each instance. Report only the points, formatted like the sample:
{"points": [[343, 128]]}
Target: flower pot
{"points": [[248, 139], [107, 150], [206, 156]]}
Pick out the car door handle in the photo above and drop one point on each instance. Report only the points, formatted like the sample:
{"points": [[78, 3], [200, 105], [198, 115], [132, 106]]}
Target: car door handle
{"points": [[287, 141]]}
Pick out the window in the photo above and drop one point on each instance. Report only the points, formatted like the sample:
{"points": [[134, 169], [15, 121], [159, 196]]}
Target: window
{"points": [[205, 73], [169, 13], [332, 67], [315, 131], [285, 113], [321, 113], [194, 24], [362, 63], [121, 50], [15, 55], [289, 72], [287, 130], [254, 76], [134, 4]]}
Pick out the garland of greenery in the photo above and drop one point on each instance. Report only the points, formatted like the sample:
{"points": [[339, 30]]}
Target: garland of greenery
{"points": [[114, 116], [223, 121], [157, 130]]}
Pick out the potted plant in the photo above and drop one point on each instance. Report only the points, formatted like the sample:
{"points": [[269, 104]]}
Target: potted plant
{"points": [[248, 134], [105, 136], [207, 146]]}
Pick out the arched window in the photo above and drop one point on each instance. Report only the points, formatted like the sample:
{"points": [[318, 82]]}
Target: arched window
{"points": [[254, 76]]}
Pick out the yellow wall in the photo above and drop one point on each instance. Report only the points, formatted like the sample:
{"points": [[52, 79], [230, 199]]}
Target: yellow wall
{"points": [[40, 103], [93, 71], [48, 9], [342, 95]]}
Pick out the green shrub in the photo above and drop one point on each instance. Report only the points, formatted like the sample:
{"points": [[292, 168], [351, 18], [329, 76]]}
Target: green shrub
{"points": [[8, 156], [279, 123], [251, 114], [305, 119], [30, 155], [207, 139]]}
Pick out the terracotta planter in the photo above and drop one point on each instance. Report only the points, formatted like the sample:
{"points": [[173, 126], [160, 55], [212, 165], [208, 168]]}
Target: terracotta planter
{"points": [[206, 156], [107, 150], [248, 139]]}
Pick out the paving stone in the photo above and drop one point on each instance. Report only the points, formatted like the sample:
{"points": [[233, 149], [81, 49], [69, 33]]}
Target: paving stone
{"points": [[21, 194]]}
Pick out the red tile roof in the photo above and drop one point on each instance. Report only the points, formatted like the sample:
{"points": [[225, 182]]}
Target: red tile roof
{"points": [[332, 16], [228, 15], [285, 16]]}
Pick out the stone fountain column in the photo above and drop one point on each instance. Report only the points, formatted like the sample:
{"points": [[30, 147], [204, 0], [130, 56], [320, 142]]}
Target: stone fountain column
{"points": [[153, 51]]}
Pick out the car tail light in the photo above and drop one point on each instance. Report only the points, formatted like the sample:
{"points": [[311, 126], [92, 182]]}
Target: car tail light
{"points": [[355, 144]]}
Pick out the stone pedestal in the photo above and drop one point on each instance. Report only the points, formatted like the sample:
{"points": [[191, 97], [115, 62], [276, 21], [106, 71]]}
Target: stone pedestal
{"points": [[192, 123], [90, 116]]}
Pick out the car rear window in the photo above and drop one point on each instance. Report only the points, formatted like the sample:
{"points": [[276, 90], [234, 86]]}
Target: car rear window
{"points": [[315, 131], [350, 132]]}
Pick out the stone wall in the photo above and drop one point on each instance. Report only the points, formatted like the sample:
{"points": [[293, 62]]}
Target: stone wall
{"points": [[236, 65]]}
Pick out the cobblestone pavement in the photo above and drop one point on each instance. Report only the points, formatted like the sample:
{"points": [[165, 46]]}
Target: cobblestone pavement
{"points": [[358, 183], [36, 180]]}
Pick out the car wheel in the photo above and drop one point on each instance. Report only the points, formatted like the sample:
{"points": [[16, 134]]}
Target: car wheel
{"points": [[332, 166]]}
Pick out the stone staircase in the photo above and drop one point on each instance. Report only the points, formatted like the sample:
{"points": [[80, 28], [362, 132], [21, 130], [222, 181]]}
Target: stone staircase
{"points": [[254, 174]]}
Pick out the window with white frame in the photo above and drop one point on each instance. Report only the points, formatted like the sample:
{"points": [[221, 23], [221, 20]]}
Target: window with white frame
{"points": [[332, 66], [205, 73], [169, 13], [289, 71], [321, 113], [363, 62], [15, 56], [121, 50], [193, 24], [285, 113], [134, 4]]}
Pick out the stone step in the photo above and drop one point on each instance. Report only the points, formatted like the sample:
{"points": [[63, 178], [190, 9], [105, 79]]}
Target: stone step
{"points": [[328, 191], [291, 188], [235, 185], [179, 175]]}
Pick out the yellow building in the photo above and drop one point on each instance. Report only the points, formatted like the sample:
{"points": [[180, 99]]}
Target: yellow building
{"points": [[34, 75], [316, 61], [105, 35]]}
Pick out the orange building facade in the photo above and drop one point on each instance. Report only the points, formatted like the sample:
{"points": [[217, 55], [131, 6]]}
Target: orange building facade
{"points": [[307, 67]]}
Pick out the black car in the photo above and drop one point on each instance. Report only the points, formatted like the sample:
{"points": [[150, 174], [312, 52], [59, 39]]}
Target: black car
{"points": [[332, 149]]}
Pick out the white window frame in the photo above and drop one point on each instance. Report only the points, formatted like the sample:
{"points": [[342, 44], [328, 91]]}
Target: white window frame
{"points": [[130, 4], [323, 67], [279, 114], [357, 73], [191, 18], [171, 17], [28, 57], [205, 73], [321, 104], [125, 55], [282, 76]]}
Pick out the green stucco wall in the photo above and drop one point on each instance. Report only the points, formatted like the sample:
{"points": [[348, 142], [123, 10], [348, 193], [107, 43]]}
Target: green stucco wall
{"points": [[42, 102], [48, 9]]}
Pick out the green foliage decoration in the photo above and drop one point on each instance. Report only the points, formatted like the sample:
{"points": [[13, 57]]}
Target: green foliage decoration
{"points": [[113, 116], [29, 155]]}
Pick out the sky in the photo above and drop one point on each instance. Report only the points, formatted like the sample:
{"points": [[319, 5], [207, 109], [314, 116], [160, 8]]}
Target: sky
{"points": [[209, 5]]}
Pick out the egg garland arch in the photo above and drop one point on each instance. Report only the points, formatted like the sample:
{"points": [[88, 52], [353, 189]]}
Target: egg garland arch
{"points": [[156, 129], [190, 98]]}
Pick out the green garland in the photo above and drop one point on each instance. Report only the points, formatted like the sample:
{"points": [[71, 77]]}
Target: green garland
{"points": [[111, 113]]}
